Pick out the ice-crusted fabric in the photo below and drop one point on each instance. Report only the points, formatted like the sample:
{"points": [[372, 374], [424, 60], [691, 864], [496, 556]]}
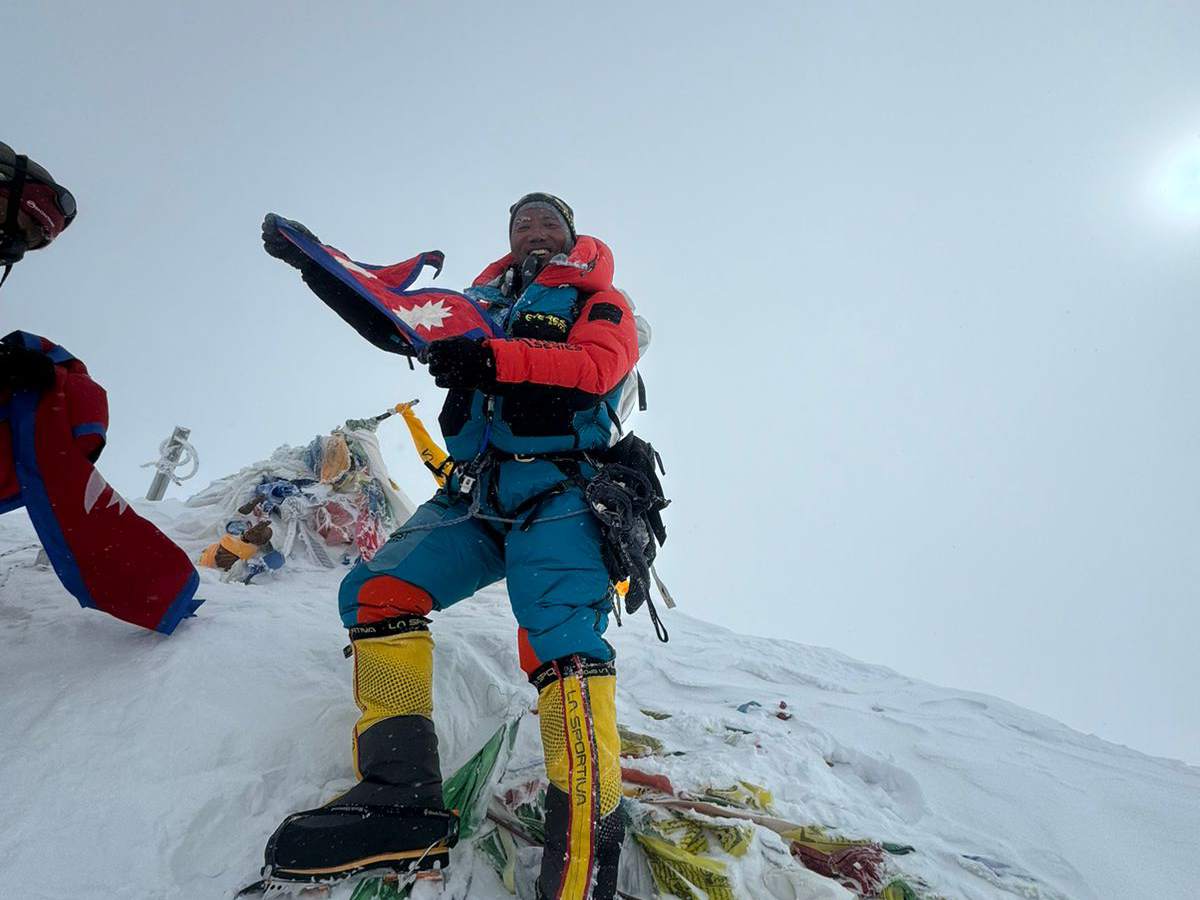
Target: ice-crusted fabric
{"points": [[600, 347], [570, 342]]}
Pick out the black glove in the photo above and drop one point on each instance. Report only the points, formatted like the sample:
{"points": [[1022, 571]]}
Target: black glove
{"points": [[279, 246], [12, 248], [22, 369], [460, 362]]}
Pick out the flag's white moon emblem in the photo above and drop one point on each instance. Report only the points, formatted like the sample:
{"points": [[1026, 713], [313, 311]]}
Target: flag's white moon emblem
{"points": [[354, 267]]}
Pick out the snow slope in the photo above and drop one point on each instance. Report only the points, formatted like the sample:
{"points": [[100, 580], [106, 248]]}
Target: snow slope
{"points": [[137, 766]]}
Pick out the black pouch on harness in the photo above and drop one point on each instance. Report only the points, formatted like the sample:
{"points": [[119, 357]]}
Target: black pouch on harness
{"points": [[626, 496]]}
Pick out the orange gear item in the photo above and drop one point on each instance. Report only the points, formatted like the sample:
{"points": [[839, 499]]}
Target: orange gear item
{"points": [[237, 547]]}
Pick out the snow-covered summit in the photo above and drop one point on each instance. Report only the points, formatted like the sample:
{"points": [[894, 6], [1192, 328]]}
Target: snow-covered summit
{"points": [[137, 766]]}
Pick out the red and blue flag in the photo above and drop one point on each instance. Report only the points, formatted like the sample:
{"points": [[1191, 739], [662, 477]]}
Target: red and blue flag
{"points": [[420, 316]]}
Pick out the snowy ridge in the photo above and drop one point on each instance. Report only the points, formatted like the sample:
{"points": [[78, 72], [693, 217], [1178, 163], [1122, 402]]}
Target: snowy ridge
{"points": [[134, 766]]}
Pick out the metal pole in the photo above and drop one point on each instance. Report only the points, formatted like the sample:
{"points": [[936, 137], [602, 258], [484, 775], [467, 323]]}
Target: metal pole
{"points": [[158, 486]]}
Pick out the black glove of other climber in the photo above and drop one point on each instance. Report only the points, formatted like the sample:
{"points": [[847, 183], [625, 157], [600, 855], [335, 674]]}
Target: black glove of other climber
{"points": [[22, 369], [460, 362], [280, 247]]}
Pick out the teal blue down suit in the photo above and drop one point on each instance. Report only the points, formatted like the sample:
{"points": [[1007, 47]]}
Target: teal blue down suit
{"points": [[571, 343]]}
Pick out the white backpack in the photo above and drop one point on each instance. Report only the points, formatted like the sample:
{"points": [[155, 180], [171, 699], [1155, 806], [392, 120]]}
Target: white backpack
{"points": [[633, 389]]}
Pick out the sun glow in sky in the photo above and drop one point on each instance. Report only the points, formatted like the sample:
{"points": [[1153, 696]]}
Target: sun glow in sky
{"points": [[1179, 184]]}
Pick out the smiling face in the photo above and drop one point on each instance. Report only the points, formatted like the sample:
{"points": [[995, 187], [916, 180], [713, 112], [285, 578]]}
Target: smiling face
{"points": [[537, 231]]}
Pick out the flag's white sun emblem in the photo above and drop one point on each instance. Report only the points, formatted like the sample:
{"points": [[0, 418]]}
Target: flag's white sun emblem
{"points": [[428, 315], [96, 486]]}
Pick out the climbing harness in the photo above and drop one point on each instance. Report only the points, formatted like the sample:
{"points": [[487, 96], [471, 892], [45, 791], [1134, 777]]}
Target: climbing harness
{"points": [[622, 491]]}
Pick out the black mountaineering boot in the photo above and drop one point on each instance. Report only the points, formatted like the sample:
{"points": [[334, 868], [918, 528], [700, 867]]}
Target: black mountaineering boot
{"points": [[394, 818]]}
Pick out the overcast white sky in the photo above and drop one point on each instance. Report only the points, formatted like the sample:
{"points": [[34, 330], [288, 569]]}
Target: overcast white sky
{"points": [[924, 279]]}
